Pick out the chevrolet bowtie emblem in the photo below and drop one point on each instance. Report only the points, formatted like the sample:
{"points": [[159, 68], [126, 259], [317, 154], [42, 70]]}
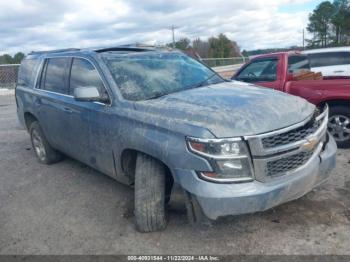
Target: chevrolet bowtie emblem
{"points": [[310, 144]]}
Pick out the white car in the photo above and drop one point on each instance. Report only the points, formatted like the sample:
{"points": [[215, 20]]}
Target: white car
{"points": [[330, 61]]}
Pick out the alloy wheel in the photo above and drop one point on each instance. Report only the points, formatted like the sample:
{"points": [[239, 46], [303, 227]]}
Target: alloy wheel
{"points": [[339, 127], [38, 145]]}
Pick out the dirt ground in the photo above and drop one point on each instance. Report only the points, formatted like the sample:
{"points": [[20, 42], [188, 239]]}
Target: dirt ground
{"points": [[68, 208]]}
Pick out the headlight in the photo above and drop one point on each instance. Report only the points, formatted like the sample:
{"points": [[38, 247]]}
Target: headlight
{"points": [[229, 159]]}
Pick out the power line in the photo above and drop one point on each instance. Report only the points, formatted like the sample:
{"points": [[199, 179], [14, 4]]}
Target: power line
{"points": [[172, 28]]}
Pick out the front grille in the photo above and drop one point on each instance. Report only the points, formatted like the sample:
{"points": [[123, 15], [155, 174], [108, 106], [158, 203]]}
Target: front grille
{"points": [[292, 136], [283, 151], [283, 165]]}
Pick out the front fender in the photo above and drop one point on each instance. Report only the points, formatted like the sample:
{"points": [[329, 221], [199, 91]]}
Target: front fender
{"points": [[167, 146]]}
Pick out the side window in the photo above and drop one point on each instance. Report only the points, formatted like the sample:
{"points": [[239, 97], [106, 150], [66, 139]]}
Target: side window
{"points": [[259, 70], [346, 58], [297, 63], [27, 72], [55, 78], [84, 74], [329, 59]]}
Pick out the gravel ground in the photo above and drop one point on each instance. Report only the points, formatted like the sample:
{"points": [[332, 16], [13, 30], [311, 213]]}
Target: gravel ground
{"points": [[68, 208]]}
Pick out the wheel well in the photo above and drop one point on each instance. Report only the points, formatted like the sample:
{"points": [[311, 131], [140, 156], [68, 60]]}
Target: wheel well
{"points": [[335, 103], [29, 118], [128, 163]]}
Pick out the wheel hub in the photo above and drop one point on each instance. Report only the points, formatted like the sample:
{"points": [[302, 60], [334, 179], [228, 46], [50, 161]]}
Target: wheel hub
{"points": [[38, 145], [339, 127]]}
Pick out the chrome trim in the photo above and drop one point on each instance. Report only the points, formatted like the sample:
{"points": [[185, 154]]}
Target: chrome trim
{"points": [[282, 130], [257, 148], [260, 164], [262, 156], [40, 68], [214, 140], [52, 92], [226, 180], [70, 96]]}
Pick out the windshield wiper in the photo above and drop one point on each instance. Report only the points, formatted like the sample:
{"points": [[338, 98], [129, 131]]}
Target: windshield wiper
{"points": [[156, 95]]}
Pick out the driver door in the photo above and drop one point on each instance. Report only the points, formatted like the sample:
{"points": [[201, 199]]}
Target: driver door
{"points": [[94, 118]]}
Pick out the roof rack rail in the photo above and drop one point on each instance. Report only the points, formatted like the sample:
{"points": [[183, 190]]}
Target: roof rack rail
{"points": [[145, 45], [131, 48], [54, 51]]}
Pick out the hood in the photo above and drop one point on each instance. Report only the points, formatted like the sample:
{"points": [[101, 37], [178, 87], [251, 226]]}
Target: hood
{"points": [[230, 109]]}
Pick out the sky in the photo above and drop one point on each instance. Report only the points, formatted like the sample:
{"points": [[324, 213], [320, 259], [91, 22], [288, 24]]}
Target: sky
{"points": [[27, 25]]}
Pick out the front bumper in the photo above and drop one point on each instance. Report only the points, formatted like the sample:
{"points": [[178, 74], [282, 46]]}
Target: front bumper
{"points": [[232, 199]]}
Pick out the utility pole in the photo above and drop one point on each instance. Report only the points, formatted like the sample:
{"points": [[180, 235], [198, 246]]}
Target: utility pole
{"points": [[172, 28], [303, 38]]}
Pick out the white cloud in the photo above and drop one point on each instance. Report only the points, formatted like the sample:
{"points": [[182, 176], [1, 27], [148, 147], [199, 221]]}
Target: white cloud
{"points": [[34, 24]]}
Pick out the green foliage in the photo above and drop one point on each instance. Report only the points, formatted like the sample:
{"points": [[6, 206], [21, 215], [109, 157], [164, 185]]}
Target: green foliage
{"points": [[330, 24], [16, 59], [183, 44], [218, 47]]}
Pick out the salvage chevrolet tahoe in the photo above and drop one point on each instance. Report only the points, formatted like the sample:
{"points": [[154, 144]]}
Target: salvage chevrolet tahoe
{"points": [[152, 117]]}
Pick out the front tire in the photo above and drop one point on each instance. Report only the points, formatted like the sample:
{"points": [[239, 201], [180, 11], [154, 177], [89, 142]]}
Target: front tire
{"points": [[150, 180], [339, 125], [44, 152]]}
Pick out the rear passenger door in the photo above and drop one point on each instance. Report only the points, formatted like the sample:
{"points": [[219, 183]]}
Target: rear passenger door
{"points": [[65, 120], [51, 103]]}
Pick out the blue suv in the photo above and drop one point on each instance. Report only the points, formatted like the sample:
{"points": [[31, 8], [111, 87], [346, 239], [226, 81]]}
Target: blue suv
{"points": [[152, 117]]}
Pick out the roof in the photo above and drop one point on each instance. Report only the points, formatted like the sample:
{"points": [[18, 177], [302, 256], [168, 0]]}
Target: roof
{"points": [[276, 54], [326, 50], [121, 48]]}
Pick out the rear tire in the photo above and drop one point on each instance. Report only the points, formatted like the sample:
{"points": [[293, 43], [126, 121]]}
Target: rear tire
{"points": [[339, 125], [44, 152], [149, 194]]}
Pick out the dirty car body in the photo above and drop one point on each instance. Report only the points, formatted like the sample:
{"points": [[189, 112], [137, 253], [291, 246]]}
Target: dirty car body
{"points": [[233, 147]]}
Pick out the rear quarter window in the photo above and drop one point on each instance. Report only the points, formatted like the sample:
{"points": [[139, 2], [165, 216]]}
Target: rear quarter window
{"points": [[329, 59], [296, 63], [27, 72]]}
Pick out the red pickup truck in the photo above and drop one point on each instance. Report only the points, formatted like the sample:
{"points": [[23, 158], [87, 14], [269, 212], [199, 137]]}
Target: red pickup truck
{"points": [[278, 71]]}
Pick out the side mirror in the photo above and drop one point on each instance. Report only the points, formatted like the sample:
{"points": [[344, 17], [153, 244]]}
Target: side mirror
{"points": [[87, 94]]}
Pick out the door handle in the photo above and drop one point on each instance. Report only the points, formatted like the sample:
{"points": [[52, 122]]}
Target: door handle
{"points": [[68, 110], [37, 101], [339, 71]]}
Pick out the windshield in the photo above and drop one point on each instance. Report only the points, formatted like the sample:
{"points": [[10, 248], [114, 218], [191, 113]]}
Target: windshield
{"points": [[151, 75]]}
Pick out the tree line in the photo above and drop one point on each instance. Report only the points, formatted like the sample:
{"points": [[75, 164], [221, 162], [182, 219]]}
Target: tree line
{"points": [[329, 24], [215, 47], [8, 59]]}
